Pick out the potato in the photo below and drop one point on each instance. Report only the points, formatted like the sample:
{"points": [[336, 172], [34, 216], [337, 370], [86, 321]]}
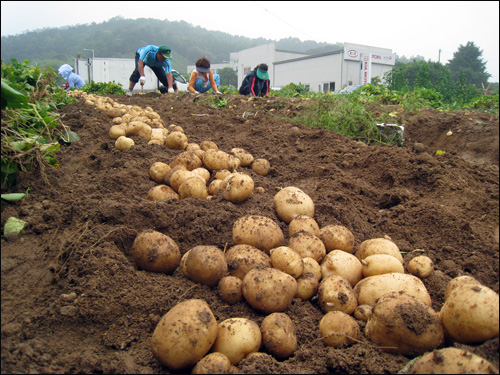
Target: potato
{"points": [[242, 258], [237, 187], [261, 167], [470, 314], [258, 231], [138, 128], [162, 192], [336, 294], [158, 136], [185, 334], [208, 145], [156, 252], [230, 289], [202, 172], [193, 147], [369, 289], [303, 222], [268, 290], [175, 128], [113, 112], [401, 324], [214, 187], [158, 171], [245, 157], [363, 312], [183, 264], [193, 187], [339, 329], [214, 363], [378, 264], [116, 131], [307, 245], [312, 266], [215, 160], [187, 159], [338, 262], [420, 266], [178, 177], [172, 171], [176, 140], [206, 265], [307, 286], [459, 281], [234, 163], [292, 201], [237, 337], [337, 237], [449, 361], [287, 260], [278, 335], [378, 246], [123, 143]]}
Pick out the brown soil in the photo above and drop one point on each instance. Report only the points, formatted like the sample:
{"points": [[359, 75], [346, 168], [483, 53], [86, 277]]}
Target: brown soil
{"points": [[83, 217]]}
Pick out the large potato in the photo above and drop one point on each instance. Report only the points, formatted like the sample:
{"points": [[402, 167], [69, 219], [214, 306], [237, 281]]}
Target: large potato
{"points": [[184, 334], [339, 329], [261, 167], [287, 260], [216, 159], [156, 252], [420, 266], [158, 171], [237, 187], [178, 177], [245, 157], [194, 186], [206, 265], [312, 266], [336, 294], [161, 192], [123, 143], [307, 245], [292, 201], [338, 262], [230, 289], [176, 140], [187, 159], [307, 286], [369, 289], [470, 314], [303, 222], [237, 337], [268, 290], [242, 258], [278, 335], [449, 361], [378, 264], [378, 246], [337, 237], [259, 231], [401, 324], [459, 281]]}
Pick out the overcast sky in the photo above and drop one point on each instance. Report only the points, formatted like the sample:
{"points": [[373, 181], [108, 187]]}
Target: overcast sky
{"points": [[408, 28]]}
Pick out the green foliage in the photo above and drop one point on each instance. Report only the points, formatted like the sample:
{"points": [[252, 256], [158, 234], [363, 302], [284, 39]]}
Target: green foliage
{"points": [[291, 90], [467, 60], [228, 77], [31, 129], [231, 90], [102, 88], [485, 102]]}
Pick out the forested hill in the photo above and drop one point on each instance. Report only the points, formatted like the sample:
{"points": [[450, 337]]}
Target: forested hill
{"points": [[119, 37]]}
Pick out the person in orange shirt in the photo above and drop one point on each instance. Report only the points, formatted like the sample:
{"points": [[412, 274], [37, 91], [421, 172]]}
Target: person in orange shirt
{"points": [[201, 76]]}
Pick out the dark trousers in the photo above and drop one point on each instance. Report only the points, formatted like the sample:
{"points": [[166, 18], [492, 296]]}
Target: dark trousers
{"points": [[158, 71]]}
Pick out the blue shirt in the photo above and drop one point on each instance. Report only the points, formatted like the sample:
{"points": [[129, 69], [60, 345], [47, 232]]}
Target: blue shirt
{"points": [[74, 80], [148, 55]]}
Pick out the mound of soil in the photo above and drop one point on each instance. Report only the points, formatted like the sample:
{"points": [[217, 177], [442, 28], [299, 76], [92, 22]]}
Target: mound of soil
{"points": [[73, 300]]}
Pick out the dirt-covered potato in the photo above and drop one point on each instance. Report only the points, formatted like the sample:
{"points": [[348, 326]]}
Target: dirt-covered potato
{"points": [[214, 187], [312, 266], [158, 171], [230, 289], [216, 159], [339, 329], [245, 157], [401, 324], [338, 262], [378, 264], [202, 172], [187, 159], [303, 222], [363, 312], [336, 294], [222, 174], [161, 192], [194, 186], [176, 140], [185, 334], [261, 167], [459, 281], [268, 290], [123, 143], [470, 314], [259, 231], [214, 363], [156, 252], [292, 201], [337, 237], [287, 260], [378, 246], [208, 145], [169, 174], [237, 337], [369, 289], [449, 361], [237, 187], [278, 335], [182, 266], [206, 265], [307, 286], [117, 131], [420, 266], [178, 177], [242, 258], [307, 245]]}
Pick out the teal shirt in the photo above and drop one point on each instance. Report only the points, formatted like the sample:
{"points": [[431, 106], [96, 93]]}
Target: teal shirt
{"points": [[148, 55]]}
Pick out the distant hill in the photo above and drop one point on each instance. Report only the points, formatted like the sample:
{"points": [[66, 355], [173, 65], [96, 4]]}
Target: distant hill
{"points": [[119, 37]]}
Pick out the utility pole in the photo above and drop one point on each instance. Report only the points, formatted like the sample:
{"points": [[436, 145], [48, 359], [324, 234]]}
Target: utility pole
{"points": [[439, 58]]}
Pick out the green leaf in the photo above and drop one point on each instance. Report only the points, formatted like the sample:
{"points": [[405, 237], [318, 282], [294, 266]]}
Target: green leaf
{"points": [[71, 136], [13, 197], [13, 227]]}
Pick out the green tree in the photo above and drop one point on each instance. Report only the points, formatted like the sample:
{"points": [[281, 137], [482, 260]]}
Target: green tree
{"points": [[228, 77], [467, 60]]}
